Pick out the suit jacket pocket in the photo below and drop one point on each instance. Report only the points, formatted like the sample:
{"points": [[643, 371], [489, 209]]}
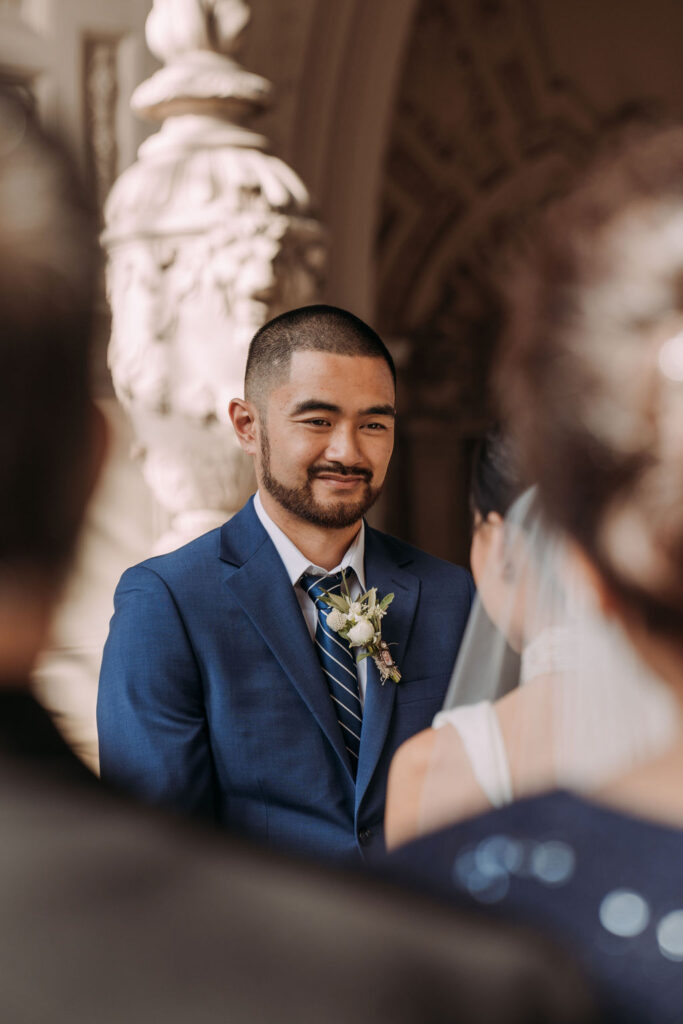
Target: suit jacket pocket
{"points": [[409, 691]]}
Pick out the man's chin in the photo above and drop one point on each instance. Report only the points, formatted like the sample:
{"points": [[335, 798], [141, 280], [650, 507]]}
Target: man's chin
{"points": [[314, 503], [351, 505], [336, 515]]}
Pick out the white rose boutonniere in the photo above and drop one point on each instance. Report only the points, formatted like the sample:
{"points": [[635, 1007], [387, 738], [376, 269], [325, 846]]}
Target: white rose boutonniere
{"points": [[362, 633], [360, 623]]}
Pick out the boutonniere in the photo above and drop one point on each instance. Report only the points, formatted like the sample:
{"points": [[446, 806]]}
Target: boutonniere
{"points": [[360, 623]]}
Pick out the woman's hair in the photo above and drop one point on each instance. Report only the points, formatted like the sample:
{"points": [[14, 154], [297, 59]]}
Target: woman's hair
{"points": [[591, 371], [495, 481]]}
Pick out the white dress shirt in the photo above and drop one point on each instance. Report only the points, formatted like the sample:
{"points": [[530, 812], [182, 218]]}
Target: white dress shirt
{"points": [[297, 564]]}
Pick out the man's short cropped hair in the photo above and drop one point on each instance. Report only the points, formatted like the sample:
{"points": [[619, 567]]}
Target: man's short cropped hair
{"points": [[46, 290], [316, 328]]}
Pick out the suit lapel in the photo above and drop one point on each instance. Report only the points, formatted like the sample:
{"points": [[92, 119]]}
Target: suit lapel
{"points": [[264, 591], [384, 572]]}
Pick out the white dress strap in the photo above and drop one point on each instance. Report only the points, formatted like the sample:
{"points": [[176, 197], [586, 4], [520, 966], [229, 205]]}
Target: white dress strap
{"points": [[479, 730]]}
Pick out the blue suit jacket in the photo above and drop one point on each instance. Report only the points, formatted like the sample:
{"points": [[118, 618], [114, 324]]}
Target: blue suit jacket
{"points": [[212, 699]]}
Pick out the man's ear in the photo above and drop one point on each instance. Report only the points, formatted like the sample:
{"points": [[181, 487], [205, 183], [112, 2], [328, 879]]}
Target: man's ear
{"points": [[245, 422]]}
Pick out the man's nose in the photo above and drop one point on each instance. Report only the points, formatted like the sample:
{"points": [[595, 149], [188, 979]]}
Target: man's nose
{"points": [[343, 445]]}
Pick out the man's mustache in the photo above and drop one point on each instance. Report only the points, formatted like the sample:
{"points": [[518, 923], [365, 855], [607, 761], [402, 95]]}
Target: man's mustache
{"points": [[340, 470]]}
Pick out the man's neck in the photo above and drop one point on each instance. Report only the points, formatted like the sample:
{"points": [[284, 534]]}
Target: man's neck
{"points": [[322, 546]]}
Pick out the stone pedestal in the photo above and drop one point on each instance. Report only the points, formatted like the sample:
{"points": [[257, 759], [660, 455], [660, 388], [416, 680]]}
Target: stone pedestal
{"points": [[208, 236]]}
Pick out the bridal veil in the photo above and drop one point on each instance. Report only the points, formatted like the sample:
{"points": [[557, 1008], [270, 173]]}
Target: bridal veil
{"points": [[546, 691]]}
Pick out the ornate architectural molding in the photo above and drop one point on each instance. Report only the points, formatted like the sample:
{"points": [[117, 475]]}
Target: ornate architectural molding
{"points": [[461, 177], [208, 236]]}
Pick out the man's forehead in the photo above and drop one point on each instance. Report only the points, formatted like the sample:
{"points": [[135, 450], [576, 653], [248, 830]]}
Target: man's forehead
{"points": [[304, 360], [337, 379]]}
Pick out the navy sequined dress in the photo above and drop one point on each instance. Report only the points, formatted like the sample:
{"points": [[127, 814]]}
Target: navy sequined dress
{"points": [[607, 885]]}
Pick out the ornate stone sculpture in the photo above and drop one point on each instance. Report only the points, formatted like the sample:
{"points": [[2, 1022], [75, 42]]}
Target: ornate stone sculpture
{"points": [[207, 236]]}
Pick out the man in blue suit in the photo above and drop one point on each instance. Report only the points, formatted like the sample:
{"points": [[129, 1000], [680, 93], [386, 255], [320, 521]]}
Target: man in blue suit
{"points": [[224, 692]]}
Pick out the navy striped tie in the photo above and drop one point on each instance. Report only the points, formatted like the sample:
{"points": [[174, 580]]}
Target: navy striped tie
{"points": [[338, 663]]}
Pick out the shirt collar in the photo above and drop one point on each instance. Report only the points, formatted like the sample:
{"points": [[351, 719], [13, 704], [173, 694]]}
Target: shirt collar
{"points": [[296, 563]]}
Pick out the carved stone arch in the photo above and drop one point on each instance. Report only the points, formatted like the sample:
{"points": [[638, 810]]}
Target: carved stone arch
{"points": [[498, 103], [344, 111]]}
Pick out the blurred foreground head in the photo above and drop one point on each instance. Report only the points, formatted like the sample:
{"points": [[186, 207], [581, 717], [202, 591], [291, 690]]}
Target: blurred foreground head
{"points": [[591, 375], [47, 426]]}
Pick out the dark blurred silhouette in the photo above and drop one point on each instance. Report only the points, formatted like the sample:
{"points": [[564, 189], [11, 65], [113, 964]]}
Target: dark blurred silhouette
{"points": [[113, 913]]}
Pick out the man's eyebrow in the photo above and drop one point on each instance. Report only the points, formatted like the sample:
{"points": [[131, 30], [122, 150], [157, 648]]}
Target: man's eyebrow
{"points": [[379, 410], [314, 405], [318, 405]]}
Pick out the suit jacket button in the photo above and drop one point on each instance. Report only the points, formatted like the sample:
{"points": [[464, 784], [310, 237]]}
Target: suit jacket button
{"points": [[364, 836]]}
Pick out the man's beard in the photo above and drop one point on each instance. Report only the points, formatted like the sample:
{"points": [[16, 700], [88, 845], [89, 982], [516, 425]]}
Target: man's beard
{"points": [[301, 502]]}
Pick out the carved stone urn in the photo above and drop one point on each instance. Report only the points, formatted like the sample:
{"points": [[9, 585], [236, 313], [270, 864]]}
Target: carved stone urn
{"points": [[207, 236]]}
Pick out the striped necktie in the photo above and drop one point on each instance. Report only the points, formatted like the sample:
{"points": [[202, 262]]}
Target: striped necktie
{"points": [[338, 663]]}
